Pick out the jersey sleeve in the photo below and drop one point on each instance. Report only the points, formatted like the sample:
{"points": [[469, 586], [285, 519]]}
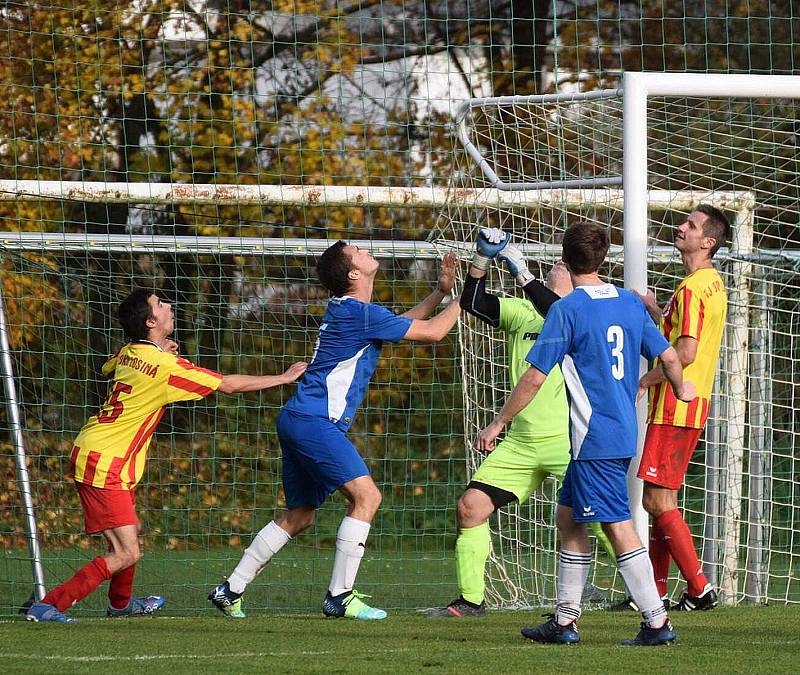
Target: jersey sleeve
{"points": [[690, 311], [110, 365], [381, 324], [553, 342], [188, 382], [653, 342]]}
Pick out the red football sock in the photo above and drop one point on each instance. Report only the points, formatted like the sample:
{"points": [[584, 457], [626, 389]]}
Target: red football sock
{"points": [[659, 557], [678, 539], [121, 588], [85, 581]]}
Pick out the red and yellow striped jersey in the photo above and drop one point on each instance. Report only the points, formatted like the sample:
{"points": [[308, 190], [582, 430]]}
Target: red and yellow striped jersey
{"points": [[111, 449], [697, 309]]}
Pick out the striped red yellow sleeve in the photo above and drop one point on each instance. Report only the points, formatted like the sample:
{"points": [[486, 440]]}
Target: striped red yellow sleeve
{"points": [[690, 314], [188, 382]]}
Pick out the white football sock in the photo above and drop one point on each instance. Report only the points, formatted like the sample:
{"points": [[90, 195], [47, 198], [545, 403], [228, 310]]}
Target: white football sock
{"points": [[350, 541], [637, 571], [573, 571], [266, 544]]}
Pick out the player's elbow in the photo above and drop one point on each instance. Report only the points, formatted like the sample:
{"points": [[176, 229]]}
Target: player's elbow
{"points": [[426, 331], [669, 358]]}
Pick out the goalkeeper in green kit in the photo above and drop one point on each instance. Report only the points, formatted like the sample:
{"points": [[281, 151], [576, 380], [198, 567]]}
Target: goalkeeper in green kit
{"points": [[537, 443]]}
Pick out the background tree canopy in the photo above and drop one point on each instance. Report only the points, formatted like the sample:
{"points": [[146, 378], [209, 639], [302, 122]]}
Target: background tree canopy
{"points": [[285, 93]]}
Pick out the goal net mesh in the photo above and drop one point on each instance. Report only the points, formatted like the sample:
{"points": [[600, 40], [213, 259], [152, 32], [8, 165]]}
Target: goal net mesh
{"points": [[740, 492]]}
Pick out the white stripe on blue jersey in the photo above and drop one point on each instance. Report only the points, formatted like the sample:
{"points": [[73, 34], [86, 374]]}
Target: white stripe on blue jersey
{"points": [[345, 357], [598, 333]]}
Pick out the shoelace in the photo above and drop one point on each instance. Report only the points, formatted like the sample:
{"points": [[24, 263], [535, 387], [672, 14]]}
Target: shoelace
{"points": [[353, 595]]}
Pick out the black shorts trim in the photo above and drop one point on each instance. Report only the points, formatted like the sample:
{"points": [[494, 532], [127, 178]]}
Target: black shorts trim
{"points": [[499, 497]]}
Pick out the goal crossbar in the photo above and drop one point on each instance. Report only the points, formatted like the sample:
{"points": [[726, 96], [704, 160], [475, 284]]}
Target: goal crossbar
{"points": [[353, 196]]}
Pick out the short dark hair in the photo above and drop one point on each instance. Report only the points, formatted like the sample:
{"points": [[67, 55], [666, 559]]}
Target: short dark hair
{"points": [[715, 226], [585, 247], [332, 269], [133, 313]]}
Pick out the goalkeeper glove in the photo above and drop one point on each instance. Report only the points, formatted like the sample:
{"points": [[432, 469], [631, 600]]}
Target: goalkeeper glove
{"points": [[515, 262], [491, 240]]}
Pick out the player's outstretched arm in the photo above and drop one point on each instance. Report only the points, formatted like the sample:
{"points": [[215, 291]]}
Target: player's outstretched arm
{"points": [[238, 384], [474, 298], [476, 301], [525, 391], [673, 370], [447, 280], [434, 330]]}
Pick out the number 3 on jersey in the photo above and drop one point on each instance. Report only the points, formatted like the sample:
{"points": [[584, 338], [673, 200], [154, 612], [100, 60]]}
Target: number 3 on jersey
{"points": [[616, 338], [104, 417]]}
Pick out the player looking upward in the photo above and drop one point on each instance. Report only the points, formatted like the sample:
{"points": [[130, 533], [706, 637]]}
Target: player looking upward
{"points": [[318, 457], [109, 454], [597, 333], [693, 322], [537, 443]]}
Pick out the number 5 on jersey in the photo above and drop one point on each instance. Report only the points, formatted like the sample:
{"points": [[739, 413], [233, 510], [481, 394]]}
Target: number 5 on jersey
{"points": [[114, 403]]}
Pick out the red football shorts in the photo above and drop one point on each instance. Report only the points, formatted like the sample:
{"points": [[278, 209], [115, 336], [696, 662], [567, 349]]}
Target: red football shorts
{"points": [[106, 509], [666, 454]]}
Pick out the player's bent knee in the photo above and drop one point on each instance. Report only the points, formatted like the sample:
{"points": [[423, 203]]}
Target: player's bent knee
{"points": [[481, 500], [472, 511], [655, 504]]}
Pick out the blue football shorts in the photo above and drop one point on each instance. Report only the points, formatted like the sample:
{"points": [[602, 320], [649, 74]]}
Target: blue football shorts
{"points": [[318, 459], [597, 490]]}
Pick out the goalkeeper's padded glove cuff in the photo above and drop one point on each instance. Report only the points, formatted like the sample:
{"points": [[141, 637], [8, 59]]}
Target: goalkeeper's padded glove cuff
{"points": [[524, 277], [481, 262]]}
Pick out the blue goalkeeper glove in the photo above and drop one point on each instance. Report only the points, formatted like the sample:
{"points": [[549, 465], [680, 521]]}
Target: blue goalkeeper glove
{"points": [[491, 240], [515, 262]]}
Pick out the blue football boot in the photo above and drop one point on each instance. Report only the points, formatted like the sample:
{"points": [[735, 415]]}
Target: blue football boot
{"points": [[138, 606], [350, 605], [40, 611], [226, 601], [653, 637], [553, 632]]}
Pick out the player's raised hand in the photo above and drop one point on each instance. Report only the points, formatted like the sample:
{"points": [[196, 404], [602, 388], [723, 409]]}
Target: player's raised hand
{"points": [[515, 262], [484, 442], [170, 346], [558, 279], [447, 273], [491, 240], [294, 371]]}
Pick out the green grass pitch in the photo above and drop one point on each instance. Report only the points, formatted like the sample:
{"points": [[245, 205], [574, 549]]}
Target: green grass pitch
{"points": [[745, 640], [286, 633]]}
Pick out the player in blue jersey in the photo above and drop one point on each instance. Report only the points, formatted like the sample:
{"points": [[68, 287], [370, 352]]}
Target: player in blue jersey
{"points": [[597, 333], [318, 458]]}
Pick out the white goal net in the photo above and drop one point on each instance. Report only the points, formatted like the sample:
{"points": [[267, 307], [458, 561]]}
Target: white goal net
{"points": [[563, 157]]}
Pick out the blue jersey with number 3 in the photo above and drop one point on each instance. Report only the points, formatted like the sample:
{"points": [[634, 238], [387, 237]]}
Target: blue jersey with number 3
{"points": [[597, 334]]}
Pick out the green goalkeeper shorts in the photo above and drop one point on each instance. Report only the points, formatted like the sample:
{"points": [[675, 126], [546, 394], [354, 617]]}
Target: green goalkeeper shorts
{"points": [[520, 467]]}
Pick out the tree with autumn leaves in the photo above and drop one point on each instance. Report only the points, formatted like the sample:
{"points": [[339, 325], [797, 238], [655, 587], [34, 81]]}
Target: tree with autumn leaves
{"points": [[284, 92]]}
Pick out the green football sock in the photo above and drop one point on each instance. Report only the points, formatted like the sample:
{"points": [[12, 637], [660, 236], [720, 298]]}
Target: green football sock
{"points": [[472, 552], [597, 531]]}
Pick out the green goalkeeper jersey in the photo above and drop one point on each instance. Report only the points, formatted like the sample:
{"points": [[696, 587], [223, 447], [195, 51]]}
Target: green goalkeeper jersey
{"points": [[547, 414]]}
